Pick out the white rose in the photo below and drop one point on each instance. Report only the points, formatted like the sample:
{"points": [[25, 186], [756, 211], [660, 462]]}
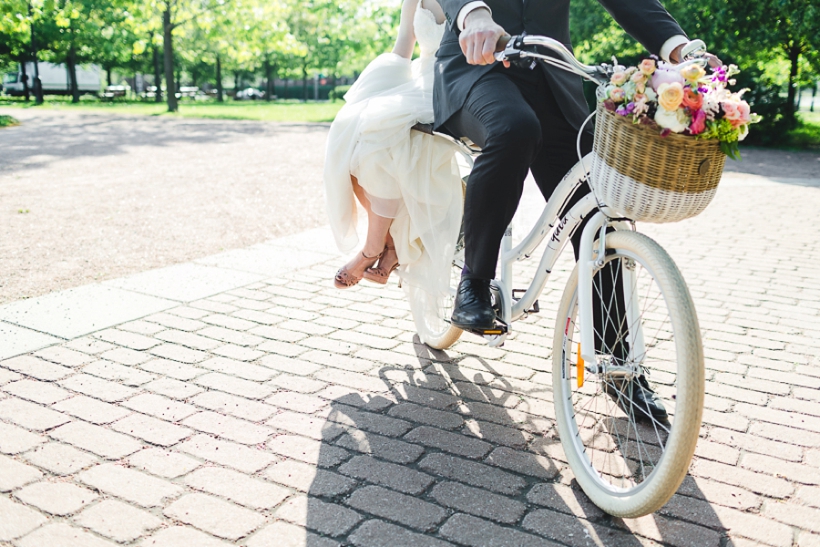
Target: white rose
{"points": [[676, 121]]}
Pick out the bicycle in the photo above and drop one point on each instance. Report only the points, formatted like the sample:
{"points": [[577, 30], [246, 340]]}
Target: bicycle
{"points": [[627, 462]]}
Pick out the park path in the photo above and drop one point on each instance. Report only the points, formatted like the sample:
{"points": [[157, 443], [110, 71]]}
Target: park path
{"points": [[238, 399], [86, 197]]}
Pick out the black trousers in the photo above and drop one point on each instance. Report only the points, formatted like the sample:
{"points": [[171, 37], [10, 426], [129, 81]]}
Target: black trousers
{"points": [[513, 115]]}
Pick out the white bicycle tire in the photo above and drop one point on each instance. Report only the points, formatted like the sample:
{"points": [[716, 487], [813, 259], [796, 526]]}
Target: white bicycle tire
{"points": [[671, 468]]}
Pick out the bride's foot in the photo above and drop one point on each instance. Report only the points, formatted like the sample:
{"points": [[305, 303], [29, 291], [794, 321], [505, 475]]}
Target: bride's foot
{"points": [[388, 262], [351, 273]]}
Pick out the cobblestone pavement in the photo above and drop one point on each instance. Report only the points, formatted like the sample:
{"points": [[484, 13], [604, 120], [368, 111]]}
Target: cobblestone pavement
{"points": [[241, 400]]}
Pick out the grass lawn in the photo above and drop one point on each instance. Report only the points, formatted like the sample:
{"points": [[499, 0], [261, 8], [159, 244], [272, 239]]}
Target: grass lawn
{"points": [[8, 121], [278, 111], [807, 133]]}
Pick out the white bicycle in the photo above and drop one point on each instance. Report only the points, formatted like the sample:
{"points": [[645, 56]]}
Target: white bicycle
{"points": [[628, 462]]}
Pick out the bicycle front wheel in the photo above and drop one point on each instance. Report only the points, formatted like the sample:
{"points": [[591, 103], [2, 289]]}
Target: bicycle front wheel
{"points": [[628, 458]]}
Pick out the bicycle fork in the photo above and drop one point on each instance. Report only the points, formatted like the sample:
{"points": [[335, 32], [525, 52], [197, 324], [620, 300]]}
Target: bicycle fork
{"points": [[590, 260]]}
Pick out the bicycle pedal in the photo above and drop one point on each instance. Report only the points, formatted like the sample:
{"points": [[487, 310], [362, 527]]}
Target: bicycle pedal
{"points": [[497, 330]]}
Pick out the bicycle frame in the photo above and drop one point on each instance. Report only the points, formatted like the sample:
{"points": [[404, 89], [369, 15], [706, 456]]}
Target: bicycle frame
{"points": [[560, 229]]}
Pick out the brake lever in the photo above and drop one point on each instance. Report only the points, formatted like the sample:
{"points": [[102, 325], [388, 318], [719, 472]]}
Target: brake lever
{"points": [[511, 51]]}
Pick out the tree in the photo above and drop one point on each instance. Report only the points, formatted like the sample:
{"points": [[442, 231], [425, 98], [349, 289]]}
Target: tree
{"points": [[175, 14]]}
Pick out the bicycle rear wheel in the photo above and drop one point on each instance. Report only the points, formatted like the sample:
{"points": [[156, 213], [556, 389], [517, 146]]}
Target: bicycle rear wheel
{"points": [[434, 326], [627, 460]]}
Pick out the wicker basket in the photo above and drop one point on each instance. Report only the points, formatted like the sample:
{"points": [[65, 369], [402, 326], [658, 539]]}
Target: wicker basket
{"points": [[650, 178]]}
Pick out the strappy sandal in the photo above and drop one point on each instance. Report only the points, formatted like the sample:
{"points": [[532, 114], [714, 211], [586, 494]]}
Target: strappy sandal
{"points": [[382, 272], [344, 279]]}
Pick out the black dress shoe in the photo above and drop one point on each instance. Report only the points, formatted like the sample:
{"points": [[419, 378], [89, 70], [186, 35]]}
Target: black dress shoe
{"points": [[637, 399], [473, 308]]}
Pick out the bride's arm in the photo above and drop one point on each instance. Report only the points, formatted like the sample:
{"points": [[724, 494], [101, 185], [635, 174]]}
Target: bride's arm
{"points": [[406, 40]]}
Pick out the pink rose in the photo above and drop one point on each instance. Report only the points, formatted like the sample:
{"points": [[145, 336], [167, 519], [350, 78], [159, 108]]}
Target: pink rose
{"points": [[665, 76], [698, 124], [647, 66], [732, 113], [745, 112], [619, 78], [638, 77], [617, 95]]}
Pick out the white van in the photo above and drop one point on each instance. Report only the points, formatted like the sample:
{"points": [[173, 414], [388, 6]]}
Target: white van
{"points": [[55, 79]]}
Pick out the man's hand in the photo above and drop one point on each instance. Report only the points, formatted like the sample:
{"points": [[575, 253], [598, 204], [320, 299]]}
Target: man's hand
{"points": [[479, 37], [713, 61]]}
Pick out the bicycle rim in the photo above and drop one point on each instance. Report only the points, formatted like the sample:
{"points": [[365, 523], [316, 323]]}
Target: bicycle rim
{"points": [[627, 461], [434, 327]]}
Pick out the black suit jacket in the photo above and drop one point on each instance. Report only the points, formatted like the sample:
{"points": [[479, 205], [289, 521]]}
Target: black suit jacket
{"points": [[645, 20]]}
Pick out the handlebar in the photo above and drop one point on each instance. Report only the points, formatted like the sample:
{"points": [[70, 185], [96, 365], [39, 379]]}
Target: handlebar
{"points": [[511, 48]]}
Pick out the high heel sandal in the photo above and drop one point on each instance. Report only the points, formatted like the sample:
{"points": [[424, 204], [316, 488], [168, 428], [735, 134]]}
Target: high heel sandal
{"points": [[344, 279], [382, 272]]}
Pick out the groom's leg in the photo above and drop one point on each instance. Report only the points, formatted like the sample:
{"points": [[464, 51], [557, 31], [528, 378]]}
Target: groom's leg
{"points": [[556, 157], [497, 117]]}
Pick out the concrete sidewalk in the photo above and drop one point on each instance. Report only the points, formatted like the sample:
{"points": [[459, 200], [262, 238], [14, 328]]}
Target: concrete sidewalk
{"points": [[241, 400]]}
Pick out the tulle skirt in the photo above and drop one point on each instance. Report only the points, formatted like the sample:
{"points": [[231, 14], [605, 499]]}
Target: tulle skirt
{"points": [[408, 176]]}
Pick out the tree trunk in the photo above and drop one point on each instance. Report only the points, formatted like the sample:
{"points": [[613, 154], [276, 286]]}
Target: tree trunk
{"points": [[72, 74], [168, 50], [267, 80], [220, 97], [813, 94], [304, 81], [179, 81], [38, 85], [285, 91], [794, 58], [236, 85], [157, 77], [25, 79], [108, 75]]}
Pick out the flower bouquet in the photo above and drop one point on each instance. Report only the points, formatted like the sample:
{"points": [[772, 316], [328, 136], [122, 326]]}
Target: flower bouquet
{"points": [[683, 100], [662, 136]]}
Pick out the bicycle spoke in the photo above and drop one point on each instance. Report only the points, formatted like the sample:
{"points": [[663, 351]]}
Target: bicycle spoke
{"points": [[623, 441]]}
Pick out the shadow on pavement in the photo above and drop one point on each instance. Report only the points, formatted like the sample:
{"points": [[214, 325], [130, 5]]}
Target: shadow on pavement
{"points": [[452, 450], [45, 136]]}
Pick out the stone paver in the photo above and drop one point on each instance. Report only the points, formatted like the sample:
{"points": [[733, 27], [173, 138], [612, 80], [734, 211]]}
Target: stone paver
{"points": [[118, 521], [17, 520], [57, 498], [213, 515], [257, 409]]}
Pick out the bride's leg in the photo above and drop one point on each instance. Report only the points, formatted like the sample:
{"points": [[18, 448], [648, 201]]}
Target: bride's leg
{"points": [[378, 235], [378, 227], [377, 232]]}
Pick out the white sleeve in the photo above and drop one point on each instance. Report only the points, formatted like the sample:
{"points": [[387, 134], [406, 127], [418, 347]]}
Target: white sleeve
{"points": [[669, 46], [472, 6]]}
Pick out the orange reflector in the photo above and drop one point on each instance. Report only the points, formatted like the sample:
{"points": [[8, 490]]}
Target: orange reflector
{"points": [[580, 368], [498, 331]]}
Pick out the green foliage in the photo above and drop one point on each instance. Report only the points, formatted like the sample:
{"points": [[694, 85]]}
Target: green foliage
{"points": [[338, 92], [7, 121], [766, 99], [804, 135], [280, 111]]}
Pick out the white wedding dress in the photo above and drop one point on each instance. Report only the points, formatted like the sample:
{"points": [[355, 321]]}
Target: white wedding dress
{"points": [[408, 176]]}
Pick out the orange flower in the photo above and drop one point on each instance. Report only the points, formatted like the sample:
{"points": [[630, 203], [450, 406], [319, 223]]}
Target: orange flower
{"points": [[692, 99]]}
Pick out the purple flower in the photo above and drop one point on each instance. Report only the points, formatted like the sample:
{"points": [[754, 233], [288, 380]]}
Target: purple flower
{"points": [[626, 110], [665, 75], [719, 74]]}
